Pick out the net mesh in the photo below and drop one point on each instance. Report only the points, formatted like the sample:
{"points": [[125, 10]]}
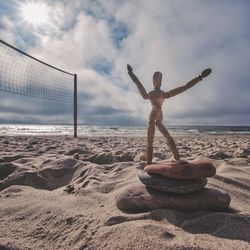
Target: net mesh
{"points": [[23, 75]]}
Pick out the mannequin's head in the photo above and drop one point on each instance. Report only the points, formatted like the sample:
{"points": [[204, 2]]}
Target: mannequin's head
{"points": [[157, 79]]}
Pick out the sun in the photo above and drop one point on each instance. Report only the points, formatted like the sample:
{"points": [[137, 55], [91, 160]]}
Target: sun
{"points": [[35, 13]]}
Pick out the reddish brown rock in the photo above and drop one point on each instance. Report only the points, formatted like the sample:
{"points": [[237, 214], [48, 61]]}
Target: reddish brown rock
{"points": [[183, 170], [138, 198]]}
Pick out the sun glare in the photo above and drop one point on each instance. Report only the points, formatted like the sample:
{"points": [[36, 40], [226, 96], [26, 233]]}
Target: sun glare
{"points": [[35, 13]]}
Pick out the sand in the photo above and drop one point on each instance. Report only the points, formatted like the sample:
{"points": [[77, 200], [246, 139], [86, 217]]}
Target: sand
{"points": [[59, 193]]}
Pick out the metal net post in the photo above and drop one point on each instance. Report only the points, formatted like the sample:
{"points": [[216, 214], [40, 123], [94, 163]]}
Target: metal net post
{"points": [[75, 106]]}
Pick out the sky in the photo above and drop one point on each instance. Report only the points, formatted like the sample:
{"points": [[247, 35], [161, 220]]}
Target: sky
{"points": [[96, 39]]}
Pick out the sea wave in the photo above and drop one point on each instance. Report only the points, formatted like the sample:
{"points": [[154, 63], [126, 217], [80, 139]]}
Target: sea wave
{"points": [[95, 130]]}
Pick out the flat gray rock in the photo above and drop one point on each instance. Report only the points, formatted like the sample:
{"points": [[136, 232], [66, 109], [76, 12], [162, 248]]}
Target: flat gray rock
{"points": [[165, 184], [137, 198]]}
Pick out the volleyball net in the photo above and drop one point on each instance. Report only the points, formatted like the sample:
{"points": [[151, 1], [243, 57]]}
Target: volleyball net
{"points": [[23, 74]]}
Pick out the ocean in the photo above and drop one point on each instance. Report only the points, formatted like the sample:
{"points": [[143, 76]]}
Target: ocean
{"points": [[97, 130]]}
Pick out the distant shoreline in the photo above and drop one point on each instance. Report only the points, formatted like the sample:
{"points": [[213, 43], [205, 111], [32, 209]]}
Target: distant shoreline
{"points": [[134, 131]]}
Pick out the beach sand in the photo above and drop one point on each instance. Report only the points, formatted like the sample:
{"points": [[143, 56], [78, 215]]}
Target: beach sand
{"points": [[59, 193]]}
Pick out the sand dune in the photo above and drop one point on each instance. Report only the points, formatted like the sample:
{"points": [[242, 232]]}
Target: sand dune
{"points": [[59, 193]]}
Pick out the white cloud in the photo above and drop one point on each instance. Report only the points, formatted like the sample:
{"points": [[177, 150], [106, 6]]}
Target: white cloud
{"points": [[178, 38], [7, 27]]}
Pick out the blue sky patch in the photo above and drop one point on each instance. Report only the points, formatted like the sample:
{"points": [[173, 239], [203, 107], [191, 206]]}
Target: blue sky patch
{"points": [[101, 65], [119, 33]]}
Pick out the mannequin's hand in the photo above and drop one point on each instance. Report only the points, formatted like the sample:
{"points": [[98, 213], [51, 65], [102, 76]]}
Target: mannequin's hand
{"points": [[130, 69], [205, 72]]}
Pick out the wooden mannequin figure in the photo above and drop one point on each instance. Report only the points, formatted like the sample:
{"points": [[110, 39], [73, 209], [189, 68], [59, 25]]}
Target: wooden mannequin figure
{"points": [[157, 97]]}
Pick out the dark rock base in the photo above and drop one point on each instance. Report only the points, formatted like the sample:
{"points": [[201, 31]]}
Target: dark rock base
{"points": [[138, 198]]}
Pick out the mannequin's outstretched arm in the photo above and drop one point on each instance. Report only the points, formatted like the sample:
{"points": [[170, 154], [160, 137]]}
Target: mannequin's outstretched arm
{"points": [[188, 85], [138, 84], [179, 90]]}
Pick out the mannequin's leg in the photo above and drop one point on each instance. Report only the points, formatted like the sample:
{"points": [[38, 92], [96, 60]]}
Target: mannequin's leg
{"points": [[170, 140], [151, 134]]}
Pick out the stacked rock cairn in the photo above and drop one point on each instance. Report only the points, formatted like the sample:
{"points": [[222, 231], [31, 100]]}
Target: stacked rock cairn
{"points": [[180, 186], [185, 180]]}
